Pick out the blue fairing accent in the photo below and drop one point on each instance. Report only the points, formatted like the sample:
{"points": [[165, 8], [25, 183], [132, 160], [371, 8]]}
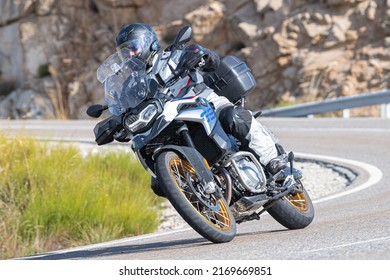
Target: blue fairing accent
{"points": [[203, 114], [208, 115]]}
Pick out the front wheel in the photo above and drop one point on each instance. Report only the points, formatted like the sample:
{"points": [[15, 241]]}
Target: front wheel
{"points": [[293, 211], [208, 214]]}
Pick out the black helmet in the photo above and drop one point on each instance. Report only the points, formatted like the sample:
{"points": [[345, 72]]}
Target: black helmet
{"points": [[140, 39]]}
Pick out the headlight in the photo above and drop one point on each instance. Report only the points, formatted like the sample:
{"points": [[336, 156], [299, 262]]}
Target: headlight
{"points": [[137, 122]]}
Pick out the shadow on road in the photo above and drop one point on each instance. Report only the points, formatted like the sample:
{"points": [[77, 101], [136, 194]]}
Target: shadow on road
{"points": [[136, 248], [118, 250]]}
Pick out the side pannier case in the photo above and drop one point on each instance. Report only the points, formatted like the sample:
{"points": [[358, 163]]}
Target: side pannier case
{"points": [[233, 79]]}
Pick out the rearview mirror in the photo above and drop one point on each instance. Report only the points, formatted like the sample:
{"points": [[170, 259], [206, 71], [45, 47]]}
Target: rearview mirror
{"points": [[184, 36], [96, 110]]}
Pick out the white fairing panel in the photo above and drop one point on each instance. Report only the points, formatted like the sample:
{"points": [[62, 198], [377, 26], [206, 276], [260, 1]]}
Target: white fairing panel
{"points": [[201, 113]]}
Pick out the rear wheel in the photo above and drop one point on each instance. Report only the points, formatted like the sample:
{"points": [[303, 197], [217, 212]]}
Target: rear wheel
{"points": [[208, 214], [293, 211]]}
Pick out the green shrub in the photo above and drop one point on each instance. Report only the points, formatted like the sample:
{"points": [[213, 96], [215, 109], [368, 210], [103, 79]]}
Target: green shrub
{"points": [[51, 197], [43, 70]]}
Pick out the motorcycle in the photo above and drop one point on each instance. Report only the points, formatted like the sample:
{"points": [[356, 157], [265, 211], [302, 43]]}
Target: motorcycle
{"points": [[179, 140]]}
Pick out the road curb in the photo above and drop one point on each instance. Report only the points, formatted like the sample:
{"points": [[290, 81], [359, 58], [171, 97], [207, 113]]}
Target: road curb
{"points": [[374, 174]]}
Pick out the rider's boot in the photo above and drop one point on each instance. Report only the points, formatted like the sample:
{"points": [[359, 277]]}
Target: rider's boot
{"points": [[277, 164]]}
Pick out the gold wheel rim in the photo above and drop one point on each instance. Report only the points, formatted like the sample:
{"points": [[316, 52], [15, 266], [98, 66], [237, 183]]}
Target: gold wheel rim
{"points": [[299, 201], [218, 219]]}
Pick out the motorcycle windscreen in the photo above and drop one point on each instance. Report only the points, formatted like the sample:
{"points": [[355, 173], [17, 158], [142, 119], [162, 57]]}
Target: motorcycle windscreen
{"points": [[125, 81], [112, 65]]}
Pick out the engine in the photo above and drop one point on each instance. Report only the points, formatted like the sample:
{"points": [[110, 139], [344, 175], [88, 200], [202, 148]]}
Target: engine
{"points": [[247, 172]]}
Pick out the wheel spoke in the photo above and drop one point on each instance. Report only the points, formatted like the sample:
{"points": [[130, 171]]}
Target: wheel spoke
{"points": [[217, 218], [299, 201], [185, 178]]}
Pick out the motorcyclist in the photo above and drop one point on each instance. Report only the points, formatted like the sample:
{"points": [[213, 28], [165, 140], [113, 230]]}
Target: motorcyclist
{"points": [[142, 42]]}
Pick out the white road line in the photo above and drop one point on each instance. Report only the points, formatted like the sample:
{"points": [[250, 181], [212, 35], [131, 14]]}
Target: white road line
{"points": [[107, 244], [347, 245], [375, 174]]}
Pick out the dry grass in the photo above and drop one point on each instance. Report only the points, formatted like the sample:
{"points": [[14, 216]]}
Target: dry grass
{"points": [[52, 198]]}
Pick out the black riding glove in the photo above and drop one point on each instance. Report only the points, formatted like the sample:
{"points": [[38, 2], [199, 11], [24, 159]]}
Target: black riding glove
{"points": [[191, 58], [122, 136]]}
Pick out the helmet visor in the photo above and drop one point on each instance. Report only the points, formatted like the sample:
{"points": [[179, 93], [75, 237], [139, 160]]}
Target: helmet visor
{"points": [[135, 47]]}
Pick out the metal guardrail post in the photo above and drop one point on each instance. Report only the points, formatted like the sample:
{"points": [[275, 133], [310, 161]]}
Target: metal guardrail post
{"points": [[346, 113], [385, 111]]}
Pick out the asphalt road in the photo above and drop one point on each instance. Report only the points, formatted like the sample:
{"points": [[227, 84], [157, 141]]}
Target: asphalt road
{"points": [[355, 225]]}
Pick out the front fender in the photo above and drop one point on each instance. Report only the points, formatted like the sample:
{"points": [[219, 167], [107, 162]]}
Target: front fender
{"points": [[193, 157]]}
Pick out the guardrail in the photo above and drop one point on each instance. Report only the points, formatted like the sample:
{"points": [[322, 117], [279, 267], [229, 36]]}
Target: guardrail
{"points": [[342, 103]]}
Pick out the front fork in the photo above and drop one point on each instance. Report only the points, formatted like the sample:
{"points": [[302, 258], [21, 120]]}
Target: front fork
{"points": [[209, 186]]}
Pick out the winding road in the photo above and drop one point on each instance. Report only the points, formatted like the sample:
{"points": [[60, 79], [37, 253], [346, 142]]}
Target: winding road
{"points": [[351, 225]]}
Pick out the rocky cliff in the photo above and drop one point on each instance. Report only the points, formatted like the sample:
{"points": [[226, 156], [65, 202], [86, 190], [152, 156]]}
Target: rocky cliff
{"points": [[299, 51]]}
